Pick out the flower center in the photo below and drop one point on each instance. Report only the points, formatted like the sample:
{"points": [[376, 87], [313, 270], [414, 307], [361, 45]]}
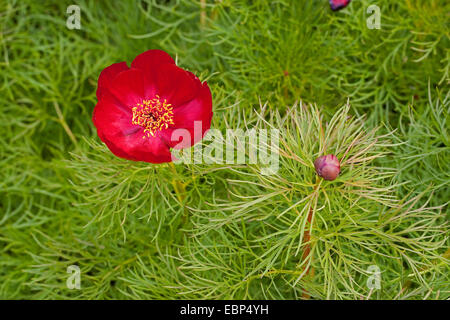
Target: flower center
{"points": [[153, 115]]}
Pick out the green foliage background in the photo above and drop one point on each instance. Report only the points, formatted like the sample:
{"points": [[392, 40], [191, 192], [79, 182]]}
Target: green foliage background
{"points": [[65, 199]]}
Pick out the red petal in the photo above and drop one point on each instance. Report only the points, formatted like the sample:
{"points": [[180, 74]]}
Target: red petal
{"points": [[198, 109], [107, 75], [112, 119], [116, 151], [128, 87], [150, 60], [135, 147], [176, 85]]}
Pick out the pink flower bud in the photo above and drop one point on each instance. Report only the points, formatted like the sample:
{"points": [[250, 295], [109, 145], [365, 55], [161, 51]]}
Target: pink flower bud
{"points": [[328, 167]]}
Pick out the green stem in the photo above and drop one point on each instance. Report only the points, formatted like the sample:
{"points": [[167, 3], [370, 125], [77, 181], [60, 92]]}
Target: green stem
{"points": [[180, 190]]}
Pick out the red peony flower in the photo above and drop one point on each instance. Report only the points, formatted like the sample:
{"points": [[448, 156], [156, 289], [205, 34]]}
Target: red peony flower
{"points": [[139, 108]]}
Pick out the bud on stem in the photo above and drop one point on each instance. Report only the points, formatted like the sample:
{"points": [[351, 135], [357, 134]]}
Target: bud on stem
{"points": [[328, 167]]}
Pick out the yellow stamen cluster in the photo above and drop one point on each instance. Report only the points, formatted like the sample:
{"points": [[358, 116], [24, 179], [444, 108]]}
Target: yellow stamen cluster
{"points": [[154, 115]]}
